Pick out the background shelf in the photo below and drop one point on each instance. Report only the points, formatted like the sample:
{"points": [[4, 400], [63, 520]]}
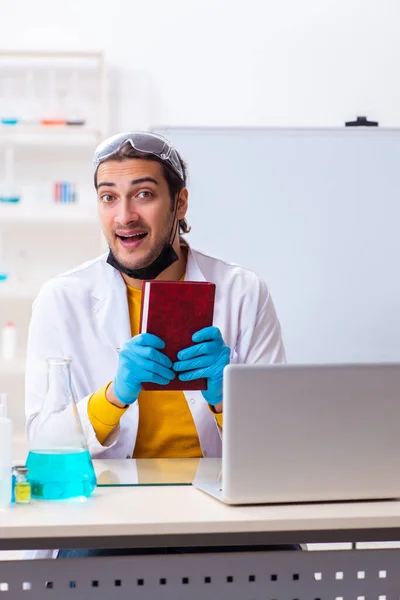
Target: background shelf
{"points": [[65, 214], [14, 367], [38, 238], [10, 290], [49, 135]]}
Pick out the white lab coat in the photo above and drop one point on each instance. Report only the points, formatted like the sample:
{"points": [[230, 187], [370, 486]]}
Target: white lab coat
{"points": [[84, 315]]}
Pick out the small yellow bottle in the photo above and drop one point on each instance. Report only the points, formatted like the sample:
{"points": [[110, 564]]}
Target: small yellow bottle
{"points": [[22, 486]]}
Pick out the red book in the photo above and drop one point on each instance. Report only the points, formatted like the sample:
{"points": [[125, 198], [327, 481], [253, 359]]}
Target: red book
{"points": [[174, 311]]}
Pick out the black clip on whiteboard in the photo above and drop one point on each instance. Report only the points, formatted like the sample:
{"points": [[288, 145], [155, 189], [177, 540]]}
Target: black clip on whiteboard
{"points": [[362, 122]]}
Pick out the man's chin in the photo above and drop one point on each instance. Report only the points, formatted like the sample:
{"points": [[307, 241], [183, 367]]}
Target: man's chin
{"points": [[125, 259]]}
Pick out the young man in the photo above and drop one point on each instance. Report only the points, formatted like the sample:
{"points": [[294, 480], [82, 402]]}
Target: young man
{"points": [[91, 314]]}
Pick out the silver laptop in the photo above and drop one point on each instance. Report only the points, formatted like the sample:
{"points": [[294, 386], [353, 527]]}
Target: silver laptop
{"points": [[296, 433]]}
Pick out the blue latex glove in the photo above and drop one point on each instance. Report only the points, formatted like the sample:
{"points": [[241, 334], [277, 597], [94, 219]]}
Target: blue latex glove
{"points": [[207, 358], [141, 361]]}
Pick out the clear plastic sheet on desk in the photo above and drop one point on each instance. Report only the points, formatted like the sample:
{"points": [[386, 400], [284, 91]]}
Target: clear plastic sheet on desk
{"points": [[151, 472]]}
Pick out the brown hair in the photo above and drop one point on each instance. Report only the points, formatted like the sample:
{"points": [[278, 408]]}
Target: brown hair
{"points": [[175, 183]]}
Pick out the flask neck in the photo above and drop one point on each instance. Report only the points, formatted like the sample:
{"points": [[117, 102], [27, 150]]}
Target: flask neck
{"points": [[59, 381]]}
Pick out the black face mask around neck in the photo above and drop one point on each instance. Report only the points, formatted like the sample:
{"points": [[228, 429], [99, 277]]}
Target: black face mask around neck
{"points": [[165, 259]]}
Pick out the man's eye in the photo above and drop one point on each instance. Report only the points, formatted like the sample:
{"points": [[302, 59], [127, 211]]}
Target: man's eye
{"points": [[106, 198], [146, 194]]}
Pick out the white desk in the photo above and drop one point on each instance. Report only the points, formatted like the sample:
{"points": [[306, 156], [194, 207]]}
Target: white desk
{"points": [[148, 516], [181, 516]]}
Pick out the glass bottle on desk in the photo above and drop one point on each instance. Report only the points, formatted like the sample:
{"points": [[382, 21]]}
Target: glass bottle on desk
{"points": [[22, 490], [59, 462]]}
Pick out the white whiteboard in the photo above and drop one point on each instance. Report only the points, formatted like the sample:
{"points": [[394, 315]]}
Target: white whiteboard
{"points": [[314, 212]]}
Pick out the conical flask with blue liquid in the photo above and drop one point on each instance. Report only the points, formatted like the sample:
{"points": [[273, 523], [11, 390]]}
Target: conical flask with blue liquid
{"points": [[59, 462]]}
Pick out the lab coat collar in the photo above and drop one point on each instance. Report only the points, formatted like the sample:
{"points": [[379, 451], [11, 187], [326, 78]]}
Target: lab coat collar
{"points": [[111, 304], [193, 271], [114, 278]]}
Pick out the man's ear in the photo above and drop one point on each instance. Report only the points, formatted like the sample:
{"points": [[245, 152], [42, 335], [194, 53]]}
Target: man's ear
{"points": [[182, 204]]}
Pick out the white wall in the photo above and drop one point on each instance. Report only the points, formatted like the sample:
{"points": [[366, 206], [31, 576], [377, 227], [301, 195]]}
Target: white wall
{"points": [[210, 62]]}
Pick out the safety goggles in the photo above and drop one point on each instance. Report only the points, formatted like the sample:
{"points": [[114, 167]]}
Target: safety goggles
{"points": [[150, 143]]}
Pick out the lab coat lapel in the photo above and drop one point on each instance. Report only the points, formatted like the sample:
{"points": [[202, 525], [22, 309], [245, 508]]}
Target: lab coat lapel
{"points": [[193, 271], [111, 311]]}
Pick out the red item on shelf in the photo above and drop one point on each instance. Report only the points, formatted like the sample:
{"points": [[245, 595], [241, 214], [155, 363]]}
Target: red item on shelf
{"points": [[53, 122]]}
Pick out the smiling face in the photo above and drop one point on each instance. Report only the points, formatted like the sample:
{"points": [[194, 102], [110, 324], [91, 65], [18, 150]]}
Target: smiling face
{"points": [[136, 210]]}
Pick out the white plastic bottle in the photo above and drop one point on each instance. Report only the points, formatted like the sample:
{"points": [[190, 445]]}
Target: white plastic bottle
{"points": [[9, 341], [5, 453]]}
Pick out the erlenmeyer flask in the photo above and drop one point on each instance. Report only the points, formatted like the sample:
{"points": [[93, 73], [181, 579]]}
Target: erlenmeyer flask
{"points": [[59, 462]]}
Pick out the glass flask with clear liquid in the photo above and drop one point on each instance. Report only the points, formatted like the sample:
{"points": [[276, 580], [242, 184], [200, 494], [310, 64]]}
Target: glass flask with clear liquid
{"points": [[59, 462]]}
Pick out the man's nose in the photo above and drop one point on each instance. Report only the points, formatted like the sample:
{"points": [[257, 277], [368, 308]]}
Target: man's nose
{"points": [[126, 214]]}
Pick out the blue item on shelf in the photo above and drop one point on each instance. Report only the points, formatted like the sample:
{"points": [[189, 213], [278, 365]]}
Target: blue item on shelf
{"points": [[9, 199], [10, 121]]}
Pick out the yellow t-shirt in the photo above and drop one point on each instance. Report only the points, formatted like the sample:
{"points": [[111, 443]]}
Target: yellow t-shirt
{"points": [[166, 426]]}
